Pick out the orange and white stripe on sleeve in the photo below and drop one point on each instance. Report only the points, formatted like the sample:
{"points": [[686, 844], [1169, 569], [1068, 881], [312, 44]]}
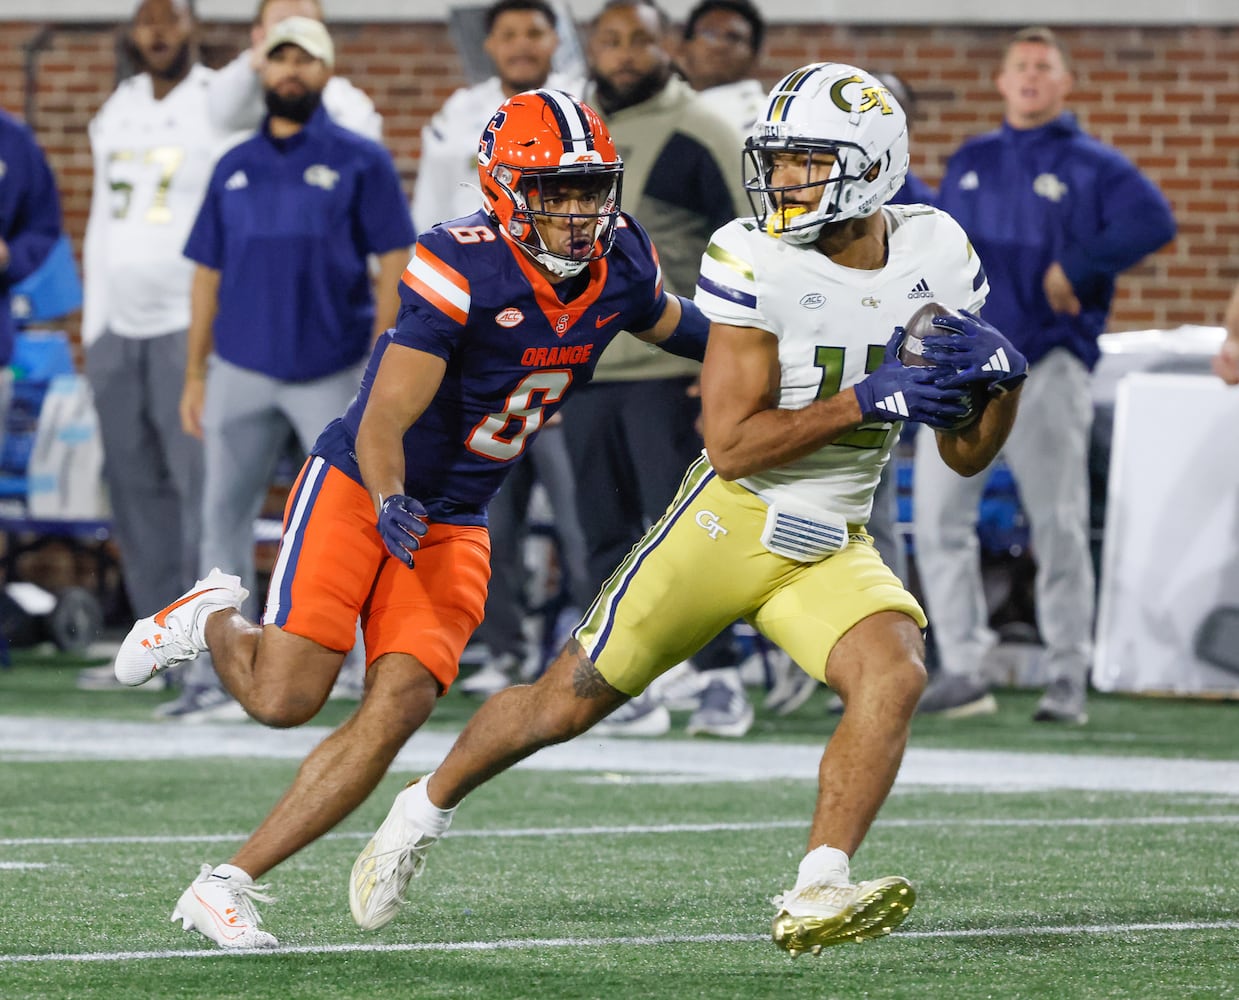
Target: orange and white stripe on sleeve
{"points": [[438, 283]]}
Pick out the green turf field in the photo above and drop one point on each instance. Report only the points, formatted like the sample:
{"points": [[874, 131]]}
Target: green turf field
{"points": [[1057, 863]]}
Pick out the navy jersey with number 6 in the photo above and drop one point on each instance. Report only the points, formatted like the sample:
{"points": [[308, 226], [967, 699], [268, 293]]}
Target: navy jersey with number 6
{"points": [[513, 351]]}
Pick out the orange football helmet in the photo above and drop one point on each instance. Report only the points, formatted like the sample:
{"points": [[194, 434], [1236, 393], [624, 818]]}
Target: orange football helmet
{"points": [[537, 144]]}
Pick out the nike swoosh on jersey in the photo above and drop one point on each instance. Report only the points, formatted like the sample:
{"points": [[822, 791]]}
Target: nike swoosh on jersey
{"points": [[601, 321]]}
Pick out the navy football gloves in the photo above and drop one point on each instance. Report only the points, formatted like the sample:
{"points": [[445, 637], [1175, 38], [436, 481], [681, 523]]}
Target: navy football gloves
{"points": [[894, 391], [980, 354], [402, 523]]}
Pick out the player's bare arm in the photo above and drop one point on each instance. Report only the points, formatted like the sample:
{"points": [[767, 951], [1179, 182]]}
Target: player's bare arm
{"points": [[971, 450], [203, 305], [404, 385], [745, 431], [387, 289]]}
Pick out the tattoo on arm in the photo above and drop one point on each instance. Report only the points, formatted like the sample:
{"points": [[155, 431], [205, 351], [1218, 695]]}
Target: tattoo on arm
{"points": [[586, 681]]}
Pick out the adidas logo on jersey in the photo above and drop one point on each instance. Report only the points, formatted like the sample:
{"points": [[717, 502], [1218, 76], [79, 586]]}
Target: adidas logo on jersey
{"points": [[921, 291], [237, 181]]}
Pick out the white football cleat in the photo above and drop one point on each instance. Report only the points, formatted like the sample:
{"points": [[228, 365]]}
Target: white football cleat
{"points": [[221, 907], [395, 855], [817, 916], [176, 633]]}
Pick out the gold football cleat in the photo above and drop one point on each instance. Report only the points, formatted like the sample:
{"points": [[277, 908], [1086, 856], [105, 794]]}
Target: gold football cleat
{"points": [[818, 916]]}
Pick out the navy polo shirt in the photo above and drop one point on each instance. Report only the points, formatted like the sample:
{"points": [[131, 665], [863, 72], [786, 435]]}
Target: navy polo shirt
{"points": [[288, 224]]}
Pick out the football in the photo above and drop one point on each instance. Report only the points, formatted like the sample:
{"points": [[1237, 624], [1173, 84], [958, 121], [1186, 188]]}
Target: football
{"points": [[917, 328]]}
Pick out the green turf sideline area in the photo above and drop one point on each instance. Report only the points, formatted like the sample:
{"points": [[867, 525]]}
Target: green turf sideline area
{"points": [[1056, 863]]}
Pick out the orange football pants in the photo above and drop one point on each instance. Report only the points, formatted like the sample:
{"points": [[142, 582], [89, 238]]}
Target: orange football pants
{"points": [[333, 569]]}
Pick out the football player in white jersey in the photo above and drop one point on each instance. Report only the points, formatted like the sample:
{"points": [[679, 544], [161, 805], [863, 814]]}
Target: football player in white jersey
{"points": [[153, 150], [802, 393]]}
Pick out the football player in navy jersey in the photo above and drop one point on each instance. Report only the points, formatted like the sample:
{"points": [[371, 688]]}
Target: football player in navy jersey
{"points": [[504, 311]]}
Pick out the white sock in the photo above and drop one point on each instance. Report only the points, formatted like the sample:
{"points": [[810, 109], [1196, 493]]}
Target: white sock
{"points": [[232, 873], [423, 813], [823, 864]]}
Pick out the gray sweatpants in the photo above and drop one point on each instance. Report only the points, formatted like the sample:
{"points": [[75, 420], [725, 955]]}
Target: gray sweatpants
{"points": [[246, 422], [1047, 453], [153, 469]]}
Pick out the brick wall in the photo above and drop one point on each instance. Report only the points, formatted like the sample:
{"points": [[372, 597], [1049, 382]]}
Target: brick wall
{"points": [[1167, 97]]}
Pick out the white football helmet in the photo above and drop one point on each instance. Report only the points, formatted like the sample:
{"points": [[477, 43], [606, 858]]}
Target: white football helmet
{"points": [[828, 108]]}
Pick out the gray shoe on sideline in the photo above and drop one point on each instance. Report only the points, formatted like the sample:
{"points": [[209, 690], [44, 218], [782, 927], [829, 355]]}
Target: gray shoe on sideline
{"points": [[792, 686], [954, 696], [101, 678], [1063, 701], [724, 709], [202, 703], [640, 716], [494, 675]]}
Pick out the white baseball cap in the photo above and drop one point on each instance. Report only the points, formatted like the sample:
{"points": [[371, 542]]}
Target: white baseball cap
{"points": [[305, 33]]}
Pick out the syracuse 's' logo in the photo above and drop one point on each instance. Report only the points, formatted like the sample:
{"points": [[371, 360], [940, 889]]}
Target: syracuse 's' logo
{"points": [[709, 520], [870, 97]]}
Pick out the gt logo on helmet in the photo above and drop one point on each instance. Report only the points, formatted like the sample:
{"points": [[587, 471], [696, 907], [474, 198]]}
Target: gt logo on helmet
{"points": [[871, 97]]}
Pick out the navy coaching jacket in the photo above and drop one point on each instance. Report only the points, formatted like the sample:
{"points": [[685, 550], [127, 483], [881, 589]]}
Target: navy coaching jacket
{"points": [[1029, 197]]}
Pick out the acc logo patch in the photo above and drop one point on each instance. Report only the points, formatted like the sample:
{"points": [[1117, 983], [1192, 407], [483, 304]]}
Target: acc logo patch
{"points": [[813, 300], [510, 317]]}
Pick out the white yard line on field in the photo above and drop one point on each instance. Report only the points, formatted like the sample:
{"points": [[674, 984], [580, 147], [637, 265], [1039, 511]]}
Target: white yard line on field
{"points": [[533, 944], [27, 739], [633, 830]]}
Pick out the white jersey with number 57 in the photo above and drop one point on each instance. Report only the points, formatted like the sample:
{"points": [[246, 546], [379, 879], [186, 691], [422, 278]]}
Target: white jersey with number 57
{"points": [[152, 161], [832, 324]]}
